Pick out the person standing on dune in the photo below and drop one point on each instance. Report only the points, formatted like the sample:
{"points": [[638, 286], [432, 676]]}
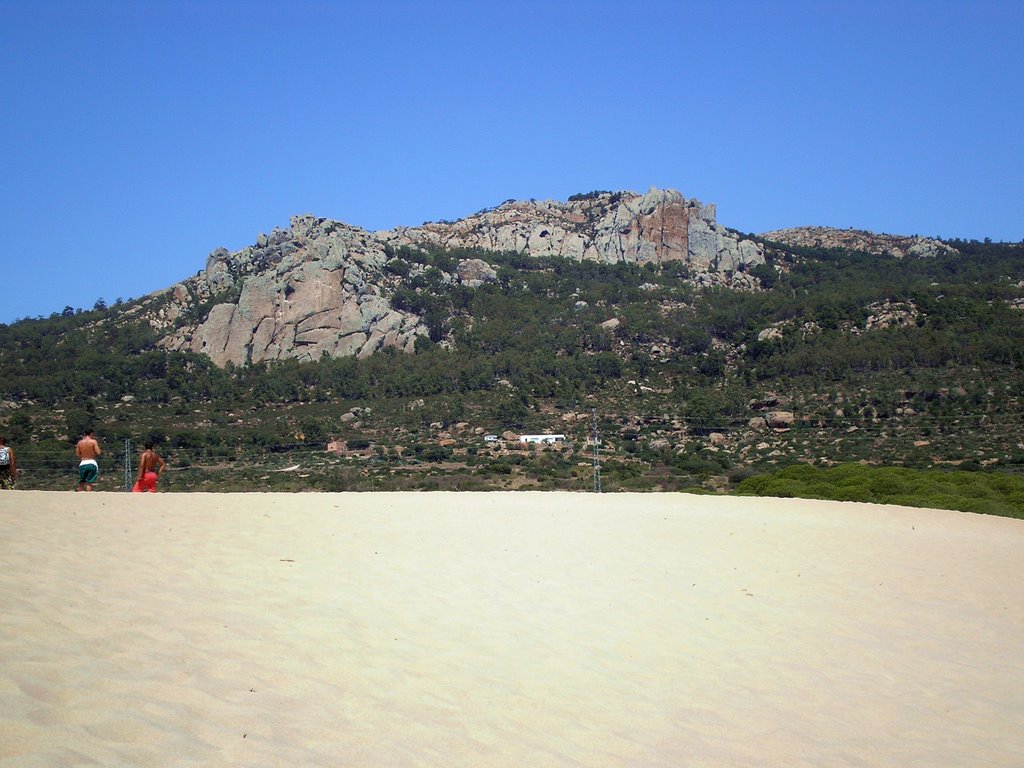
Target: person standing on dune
{"points": [[8, 467], [88, 451], [150, 466]]}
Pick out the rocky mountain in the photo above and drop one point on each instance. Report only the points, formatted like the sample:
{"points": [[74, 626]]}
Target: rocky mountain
{"points": [[320, 287], [658, 226], [303, 292], [818, 355]]}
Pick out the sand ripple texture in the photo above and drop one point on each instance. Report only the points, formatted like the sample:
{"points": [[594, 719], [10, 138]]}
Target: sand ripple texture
{"points": [[494, 629]]}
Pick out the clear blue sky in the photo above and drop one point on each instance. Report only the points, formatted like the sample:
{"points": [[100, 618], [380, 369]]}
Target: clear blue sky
{"points": [[138, 136]]}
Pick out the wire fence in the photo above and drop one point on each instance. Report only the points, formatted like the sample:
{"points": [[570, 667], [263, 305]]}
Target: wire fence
{"points": [[991, 437], [43, 468]]}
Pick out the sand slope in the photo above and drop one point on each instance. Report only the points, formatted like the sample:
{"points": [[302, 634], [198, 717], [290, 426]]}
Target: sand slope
{"points": [[505, 630]]}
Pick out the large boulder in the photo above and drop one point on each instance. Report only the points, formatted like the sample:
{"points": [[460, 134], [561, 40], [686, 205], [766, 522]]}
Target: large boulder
{"points": [[780, 419], [475, 272]]}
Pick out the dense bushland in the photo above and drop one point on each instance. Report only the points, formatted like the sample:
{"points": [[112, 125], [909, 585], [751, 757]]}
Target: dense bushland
{"points": [[937, 380]]}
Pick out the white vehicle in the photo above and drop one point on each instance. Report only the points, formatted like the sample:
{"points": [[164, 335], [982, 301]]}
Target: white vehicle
{"points": [[542, 439]]}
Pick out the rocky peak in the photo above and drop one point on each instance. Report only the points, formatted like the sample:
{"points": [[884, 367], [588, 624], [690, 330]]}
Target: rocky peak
{"points": [[658, 226], [300, 293], [318, 287]]}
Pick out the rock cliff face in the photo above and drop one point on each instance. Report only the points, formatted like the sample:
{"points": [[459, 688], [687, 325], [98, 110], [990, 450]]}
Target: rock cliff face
{"points": [[320, 286], [858, 240], [658, 226], [301, 293]]}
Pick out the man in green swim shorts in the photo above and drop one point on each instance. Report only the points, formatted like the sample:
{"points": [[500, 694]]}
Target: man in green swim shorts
{"points": [[88, 451], [8, 467]]}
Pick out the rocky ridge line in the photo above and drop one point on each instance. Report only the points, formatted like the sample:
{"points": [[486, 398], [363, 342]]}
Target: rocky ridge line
{"points": [[320, 286], [658, 226], [899, 246]]}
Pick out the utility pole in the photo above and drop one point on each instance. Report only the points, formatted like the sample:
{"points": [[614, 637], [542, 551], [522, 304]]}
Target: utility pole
{"points": [[597, 454]]}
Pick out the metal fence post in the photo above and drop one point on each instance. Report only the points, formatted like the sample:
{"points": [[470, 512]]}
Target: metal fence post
{"points": [[127, 464]]}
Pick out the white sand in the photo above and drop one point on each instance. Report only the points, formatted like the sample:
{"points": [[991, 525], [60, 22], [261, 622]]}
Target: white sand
{"points": [[503, 629]]}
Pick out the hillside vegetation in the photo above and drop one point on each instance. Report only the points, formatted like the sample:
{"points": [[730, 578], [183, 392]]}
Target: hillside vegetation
{"points": [[839, 357], [992, 493]]}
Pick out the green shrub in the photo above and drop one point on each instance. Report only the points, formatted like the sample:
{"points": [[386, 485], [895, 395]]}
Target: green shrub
{"points": [[398, 267], [982, 492]]}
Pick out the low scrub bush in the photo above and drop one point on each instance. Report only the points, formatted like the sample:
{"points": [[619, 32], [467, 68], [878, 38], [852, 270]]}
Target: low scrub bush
{"points": [[988, 493]]}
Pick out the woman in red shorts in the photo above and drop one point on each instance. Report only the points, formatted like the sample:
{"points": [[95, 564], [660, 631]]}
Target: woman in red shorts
{"points": [[150, 467]]}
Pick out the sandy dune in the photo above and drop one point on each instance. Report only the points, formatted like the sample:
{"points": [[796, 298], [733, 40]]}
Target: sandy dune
{"points": [[499, 629]]}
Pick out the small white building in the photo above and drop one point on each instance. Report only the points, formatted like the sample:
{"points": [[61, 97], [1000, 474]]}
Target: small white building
{"points": [[490, 438], [542, 438]]}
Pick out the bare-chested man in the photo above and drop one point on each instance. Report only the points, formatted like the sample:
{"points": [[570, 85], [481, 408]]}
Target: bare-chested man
{"points": [[8, 466], [150, 467], [88, 451]]}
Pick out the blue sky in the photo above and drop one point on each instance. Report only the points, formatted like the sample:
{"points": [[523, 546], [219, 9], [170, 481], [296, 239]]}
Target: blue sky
{"points": [[136, 137]]}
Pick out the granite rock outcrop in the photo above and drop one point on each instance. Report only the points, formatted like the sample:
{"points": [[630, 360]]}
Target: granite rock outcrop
{"points": [[899, 246], [305, 292], [321, 287], [658, 226]]}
